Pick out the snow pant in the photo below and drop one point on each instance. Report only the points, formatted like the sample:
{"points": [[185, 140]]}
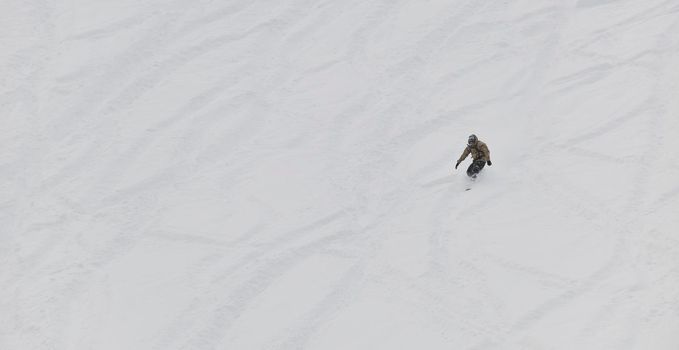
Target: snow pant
{"points": [[475, 167]]}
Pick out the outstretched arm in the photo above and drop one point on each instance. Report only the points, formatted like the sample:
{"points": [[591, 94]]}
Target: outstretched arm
{"points": [[486, 151], [464, 155]]}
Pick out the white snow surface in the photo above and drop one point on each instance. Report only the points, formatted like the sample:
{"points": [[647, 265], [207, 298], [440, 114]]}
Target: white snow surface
{"points": [[280, 174]]}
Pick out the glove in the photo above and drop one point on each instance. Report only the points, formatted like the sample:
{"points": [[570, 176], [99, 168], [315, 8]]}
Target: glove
{"points": [[489, 162], [456, 164]]}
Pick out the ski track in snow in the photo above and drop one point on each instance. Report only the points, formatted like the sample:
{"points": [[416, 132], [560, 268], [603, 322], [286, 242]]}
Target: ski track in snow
{"points": [[279, 175]]}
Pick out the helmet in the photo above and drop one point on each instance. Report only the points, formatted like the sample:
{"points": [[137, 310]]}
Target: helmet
{"points": [[472, 140]]}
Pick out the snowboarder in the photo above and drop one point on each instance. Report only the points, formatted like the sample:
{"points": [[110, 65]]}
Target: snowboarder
{"points": [[480, 156]]}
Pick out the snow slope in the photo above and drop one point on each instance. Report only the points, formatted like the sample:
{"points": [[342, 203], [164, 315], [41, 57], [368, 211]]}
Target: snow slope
{"points": [[279, 174]]}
